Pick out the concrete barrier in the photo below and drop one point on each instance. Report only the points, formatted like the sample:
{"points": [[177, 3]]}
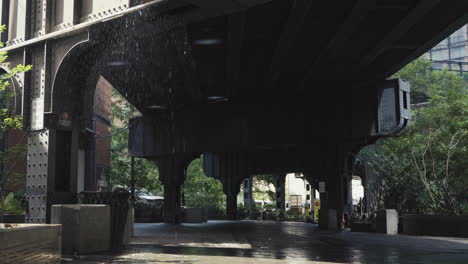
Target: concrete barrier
{"points": [[11, 218], [194, 215], [362, 227], [30, 243], [386, 222], [85, 227], [129, 227], [435, 225], [205, 214]]}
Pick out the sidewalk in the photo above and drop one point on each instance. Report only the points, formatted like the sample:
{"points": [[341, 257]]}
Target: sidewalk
{"points": [[226, 242]]}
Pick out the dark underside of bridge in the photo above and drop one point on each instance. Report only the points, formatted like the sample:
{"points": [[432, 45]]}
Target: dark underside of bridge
{"points": [[282, 86]]}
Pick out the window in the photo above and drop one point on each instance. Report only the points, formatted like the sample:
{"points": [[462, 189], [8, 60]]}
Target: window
{"points": [[405, 100], [458, 36], [308, 197], [307, 187], [296, 200], [458, 52], [441, 54]]}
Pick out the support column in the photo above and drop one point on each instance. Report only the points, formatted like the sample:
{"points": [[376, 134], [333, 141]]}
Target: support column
{"points": [[231, 188], [172, 203], [280, 187], [172, 173], [75, 142], [231, 169], [332, 202], [38, 183], [248, 195]]}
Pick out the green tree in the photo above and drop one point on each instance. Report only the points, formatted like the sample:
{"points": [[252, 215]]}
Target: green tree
{"points": [[426, 82], [9, 120], [146, 172], [425, 169], [202, 191], [261, 187]]}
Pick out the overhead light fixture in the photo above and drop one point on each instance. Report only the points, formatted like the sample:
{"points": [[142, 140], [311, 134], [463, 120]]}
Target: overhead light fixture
{"points": [[117, 63], [156, 107], [216, 99], [205, 42]]}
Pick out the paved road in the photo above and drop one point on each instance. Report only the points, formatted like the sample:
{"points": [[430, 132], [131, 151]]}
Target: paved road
{"points": [[277, 242]]}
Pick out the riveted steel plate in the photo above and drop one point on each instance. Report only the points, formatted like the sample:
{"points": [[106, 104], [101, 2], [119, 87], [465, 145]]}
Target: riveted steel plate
{"points": [[36, 178]]}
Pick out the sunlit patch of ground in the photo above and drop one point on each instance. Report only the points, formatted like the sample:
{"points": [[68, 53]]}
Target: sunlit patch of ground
{"points": [[188, 259], [205, 245]]}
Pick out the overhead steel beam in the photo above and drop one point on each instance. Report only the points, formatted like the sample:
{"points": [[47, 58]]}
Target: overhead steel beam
{"points": [[431, 43], [297, 16], [235, 38], [424, 7], [350, 24], [79, 27]]}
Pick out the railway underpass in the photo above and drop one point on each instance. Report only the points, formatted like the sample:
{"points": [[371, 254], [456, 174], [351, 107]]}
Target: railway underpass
{"points": [[278, 243], [226, 80]]}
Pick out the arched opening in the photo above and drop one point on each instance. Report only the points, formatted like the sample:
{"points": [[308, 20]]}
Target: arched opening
{"points": [[357, 190], [201, 191], [13, 141], [277, 196]]}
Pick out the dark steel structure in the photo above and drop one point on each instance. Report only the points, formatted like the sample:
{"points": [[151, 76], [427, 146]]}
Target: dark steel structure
{"points": [[255, 86]]}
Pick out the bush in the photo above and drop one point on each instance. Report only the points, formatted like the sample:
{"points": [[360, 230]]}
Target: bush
{"points": [[148, 211], [243, 211], [216, 213], [10, 205]]}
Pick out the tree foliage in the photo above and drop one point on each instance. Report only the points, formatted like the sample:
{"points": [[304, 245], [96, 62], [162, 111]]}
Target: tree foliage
{"points": [[9, 120], [425, 170], [10, 205], [263, 187], [202, 191], [146, 172], [427, 83]]}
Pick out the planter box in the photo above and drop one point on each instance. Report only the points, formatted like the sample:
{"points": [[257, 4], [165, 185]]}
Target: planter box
{"points": [[386, 222], [86, 227], [129, 227], [10, 218], [194, 215], [435, 225], [30, 243], [362, 227]]}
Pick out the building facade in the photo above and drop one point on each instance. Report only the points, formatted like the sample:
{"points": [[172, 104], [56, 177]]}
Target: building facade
{"points": [[452, 52]]}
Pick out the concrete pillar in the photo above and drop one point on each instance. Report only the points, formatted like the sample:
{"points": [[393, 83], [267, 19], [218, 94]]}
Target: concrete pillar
{"points": [[248, 193], [280, 188], [231, 206], [387, 222], [231, 188], [172, 203], [331, 199], [75, 142], [323, 211], [231, 169], [172, 172]]}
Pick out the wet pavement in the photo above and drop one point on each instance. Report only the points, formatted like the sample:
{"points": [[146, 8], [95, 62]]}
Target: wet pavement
{"points": [[277, 242]]}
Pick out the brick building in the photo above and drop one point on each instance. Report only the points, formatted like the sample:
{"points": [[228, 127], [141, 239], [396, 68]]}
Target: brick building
{"points": [[102, 116], [102, 129]]}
